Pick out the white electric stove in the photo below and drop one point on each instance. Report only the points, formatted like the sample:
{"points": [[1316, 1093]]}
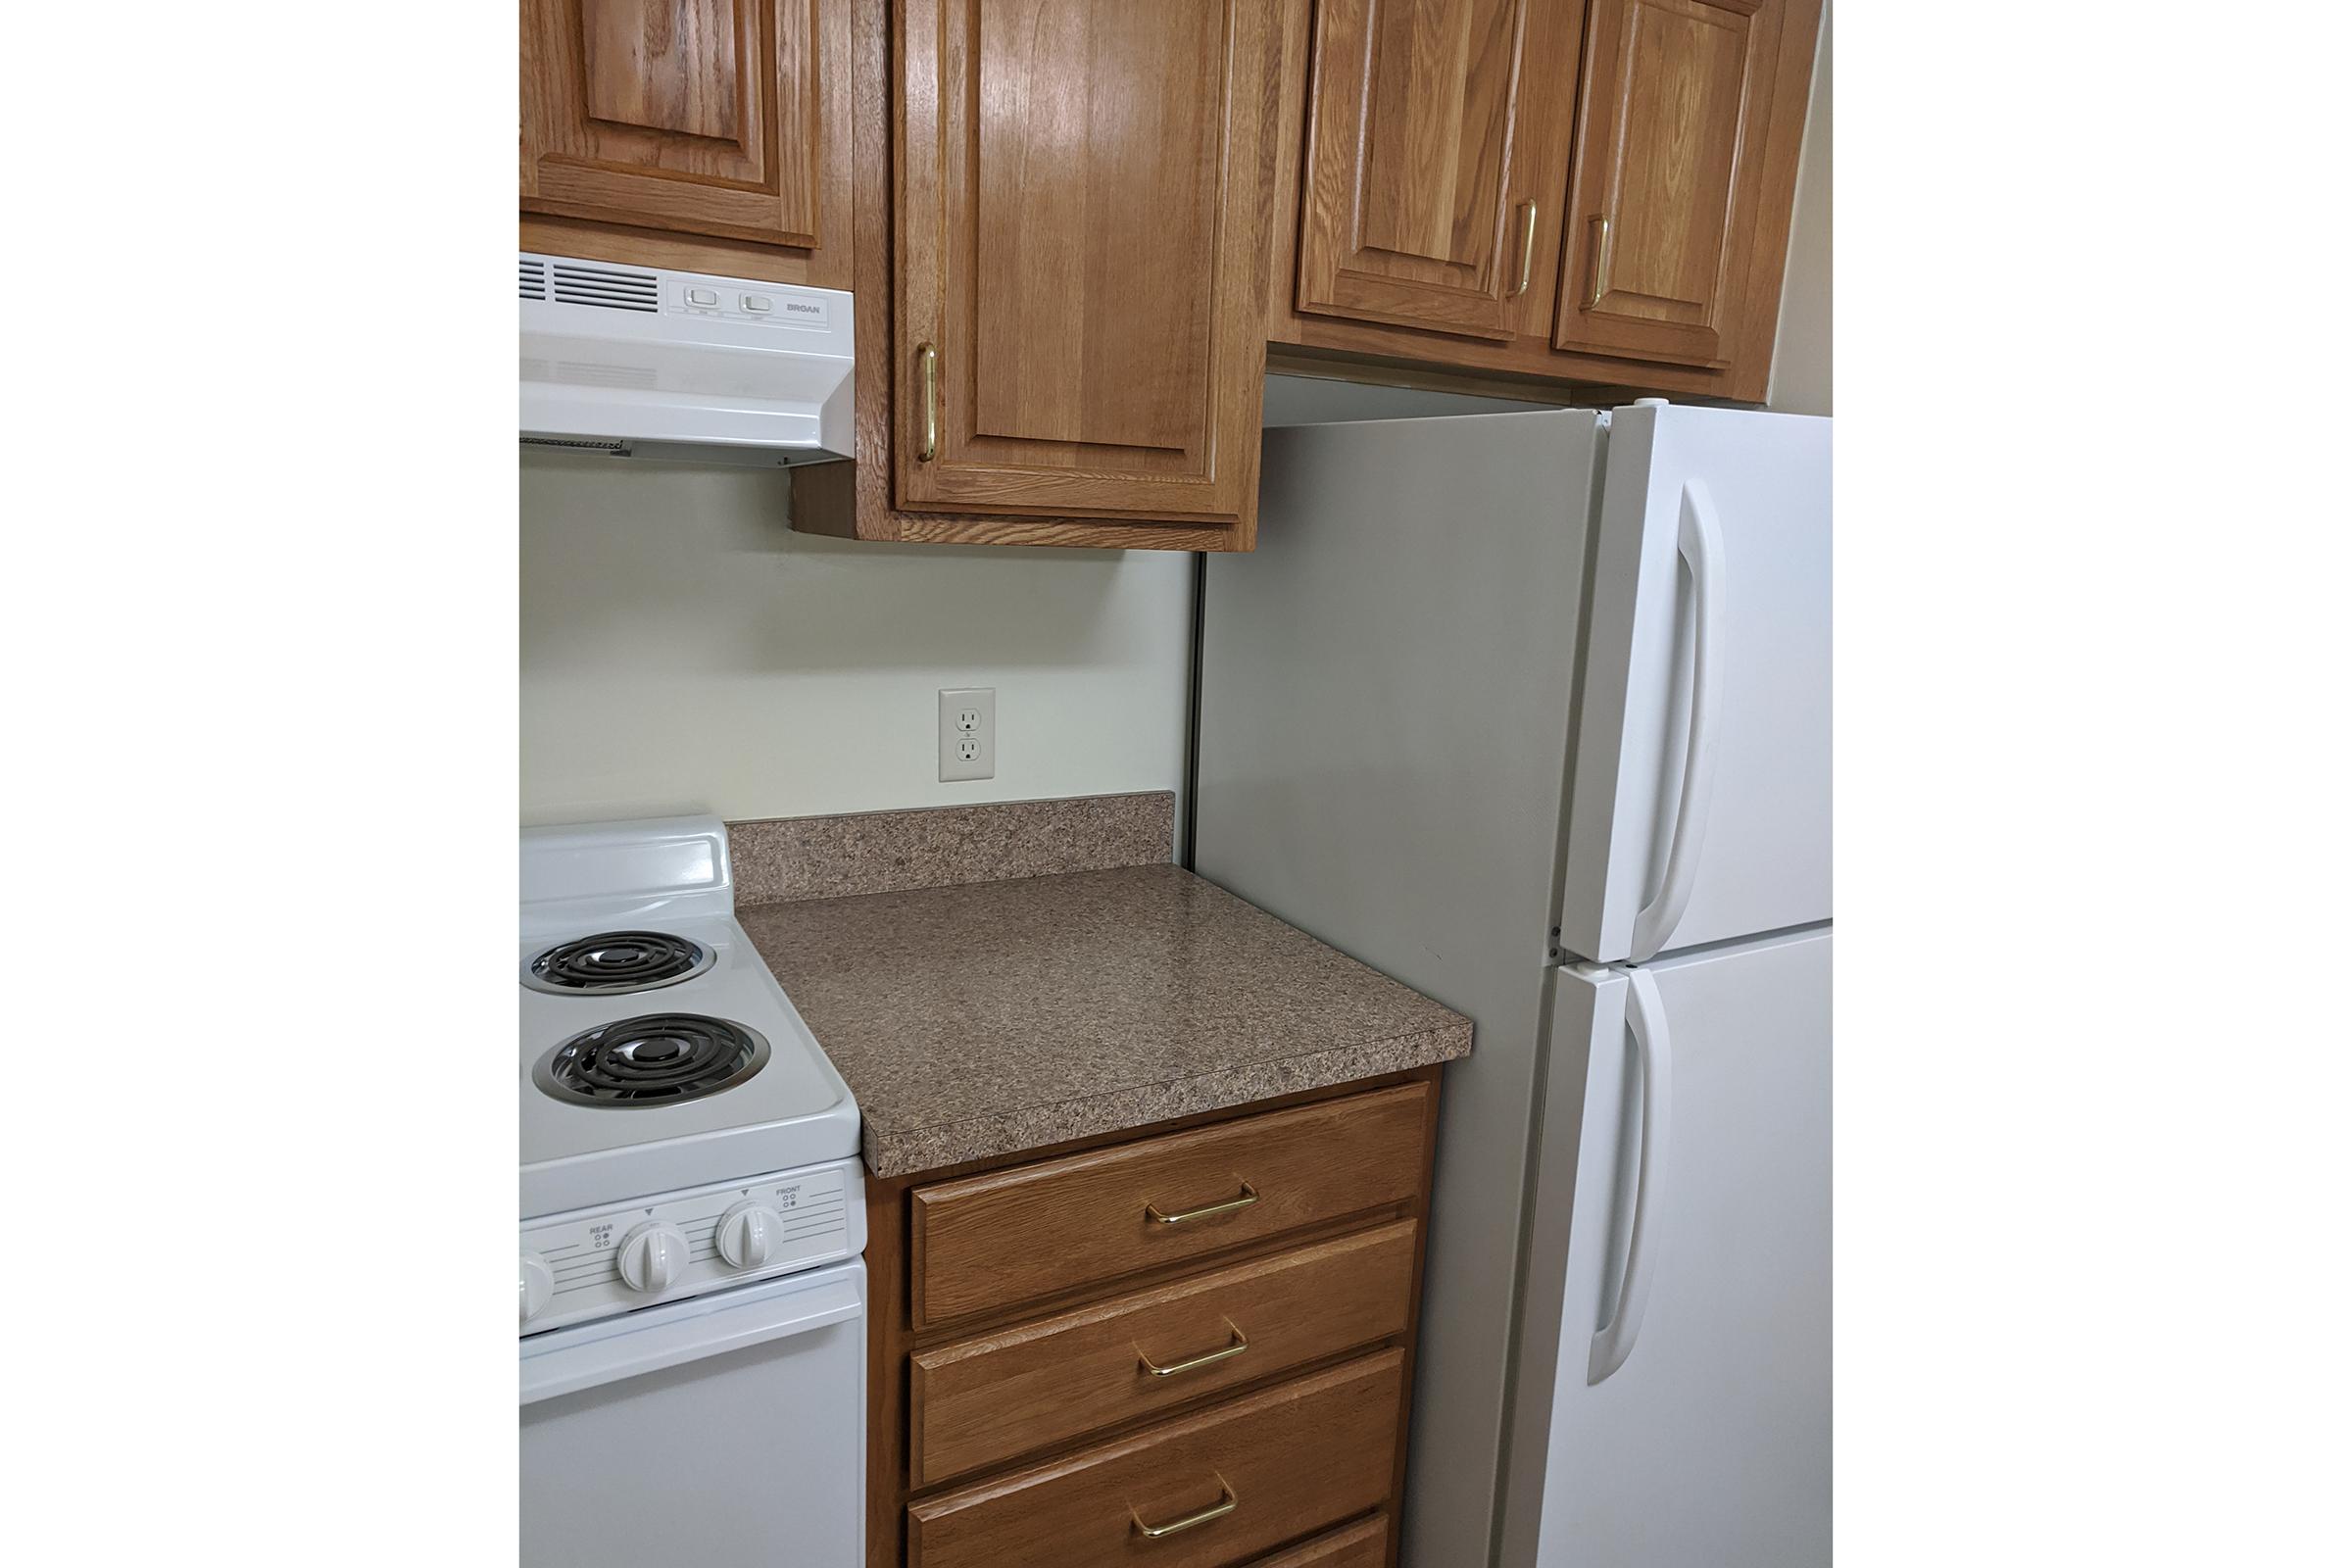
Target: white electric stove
{"points": [[693, 1210]]}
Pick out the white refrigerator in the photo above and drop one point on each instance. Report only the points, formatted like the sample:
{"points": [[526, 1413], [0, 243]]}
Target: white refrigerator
{"points": [[1532, 711]]}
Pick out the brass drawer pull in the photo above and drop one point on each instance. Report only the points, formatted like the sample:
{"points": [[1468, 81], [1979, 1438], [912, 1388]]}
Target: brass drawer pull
{"points": [[928, 358], [1226, 1502], [1248, 1196], [1599, 262], [1240, 1344]]}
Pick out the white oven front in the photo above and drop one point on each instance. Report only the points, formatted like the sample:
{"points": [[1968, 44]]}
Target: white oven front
{"points": [[722, 1431]]}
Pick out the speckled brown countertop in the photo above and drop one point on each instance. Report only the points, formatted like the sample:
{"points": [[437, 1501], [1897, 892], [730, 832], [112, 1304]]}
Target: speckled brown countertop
{"points": [[995, 1017]]}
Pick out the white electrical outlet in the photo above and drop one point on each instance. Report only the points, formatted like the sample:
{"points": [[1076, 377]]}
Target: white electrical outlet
{"points": [[967, 733]]}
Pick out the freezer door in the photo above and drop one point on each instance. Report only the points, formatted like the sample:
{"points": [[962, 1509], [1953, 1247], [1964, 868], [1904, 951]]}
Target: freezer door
{"points": [[1699, 805], [1672, 1401]]}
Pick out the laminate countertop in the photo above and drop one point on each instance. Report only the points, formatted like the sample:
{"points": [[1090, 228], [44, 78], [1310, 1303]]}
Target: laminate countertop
{"points": [[992, 1018]]}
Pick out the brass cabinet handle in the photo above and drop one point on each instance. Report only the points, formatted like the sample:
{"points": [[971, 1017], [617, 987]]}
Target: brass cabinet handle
{"points": [[1248, 1196], [1240, 1344], [1226, 1502], [928, 358], [1526, 247], [1600, 262]]}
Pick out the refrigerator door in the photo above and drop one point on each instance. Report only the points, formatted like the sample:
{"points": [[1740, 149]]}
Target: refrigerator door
{"points": [[1700, 804], [1385, 693], [1672, 1406]]}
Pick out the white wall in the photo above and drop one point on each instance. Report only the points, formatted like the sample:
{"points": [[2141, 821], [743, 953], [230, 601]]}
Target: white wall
{"points": [[683, 649], [1800, 361]]}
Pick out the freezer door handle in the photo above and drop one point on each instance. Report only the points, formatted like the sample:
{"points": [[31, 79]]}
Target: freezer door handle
{"points": [[1700, 543], [1645, 1016]]}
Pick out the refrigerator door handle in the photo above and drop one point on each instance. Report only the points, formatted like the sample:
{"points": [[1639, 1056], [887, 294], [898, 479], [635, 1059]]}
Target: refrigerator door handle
{"points": [[1701, 542], [1645, 1016]]}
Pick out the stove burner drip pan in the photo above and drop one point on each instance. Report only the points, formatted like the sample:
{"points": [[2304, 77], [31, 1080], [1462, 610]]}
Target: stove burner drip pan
{"points": [[659, 1059], [616, 963]]}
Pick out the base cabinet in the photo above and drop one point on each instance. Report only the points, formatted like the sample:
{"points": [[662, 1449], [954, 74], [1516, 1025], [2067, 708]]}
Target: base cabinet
{"points": [[1239, 1398]]}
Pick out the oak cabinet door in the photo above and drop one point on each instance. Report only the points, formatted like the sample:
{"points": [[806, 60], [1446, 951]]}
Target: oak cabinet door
{"points": [[1081, 253], [719, 117], [1668, 176], [1436, 155]]}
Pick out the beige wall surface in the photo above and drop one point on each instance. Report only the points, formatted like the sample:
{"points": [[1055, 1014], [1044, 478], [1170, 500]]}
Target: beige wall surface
{"points": [[683, 649], [1800, 361]]}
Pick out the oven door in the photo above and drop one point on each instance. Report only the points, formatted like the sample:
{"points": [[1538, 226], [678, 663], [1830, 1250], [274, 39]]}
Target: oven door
{"points": [[725, 1430]]}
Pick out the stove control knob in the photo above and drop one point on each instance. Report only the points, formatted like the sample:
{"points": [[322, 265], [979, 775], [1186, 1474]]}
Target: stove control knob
{"points": [[651, 1256], [748, 1235], [538, 1283]]}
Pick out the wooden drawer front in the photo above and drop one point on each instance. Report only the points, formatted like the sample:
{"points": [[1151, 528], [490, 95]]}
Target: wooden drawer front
{"points": [[1362, 1545], [988, 1399], [1294, 1457], [999, 1240]]}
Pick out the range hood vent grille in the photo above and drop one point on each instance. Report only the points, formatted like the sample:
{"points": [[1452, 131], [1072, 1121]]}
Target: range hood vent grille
{"points": [[576, 444], [608, 287], [533, 279]]}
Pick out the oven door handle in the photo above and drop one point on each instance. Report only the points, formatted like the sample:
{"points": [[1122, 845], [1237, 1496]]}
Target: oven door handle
{"points": [[599, 1353]]}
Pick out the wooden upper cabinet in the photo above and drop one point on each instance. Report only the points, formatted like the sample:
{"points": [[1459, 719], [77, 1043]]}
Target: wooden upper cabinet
{"points": [[1081, 256], [1669, 176], [724, 120], [1435, 158]]}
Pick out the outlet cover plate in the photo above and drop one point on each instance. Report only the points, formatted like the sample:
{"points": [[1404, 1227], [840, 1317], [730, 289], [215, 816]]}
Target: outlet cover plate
{"points": [[967, 733]]}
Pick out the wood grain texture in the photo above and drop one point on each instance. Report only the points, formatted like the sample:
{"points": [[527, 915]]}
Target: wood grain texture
{"points": [[1295, 1458], [893, 1340], [1080, 219], [886, 1331], [1428, 1166], [666, 65], [826, 267], [995, 1241], [726, 121], [1678, 95], [996, 1396], [1416, 177], [1532, 352], [856, 499], [1362, 1545]]}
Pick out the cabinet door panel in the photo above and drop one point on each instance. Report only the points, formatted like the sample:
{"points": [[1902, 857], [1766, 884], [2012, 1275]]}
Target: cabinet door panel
{"points": [[1668, 175], [1410, 180], [1081, 229], [701, 117]]}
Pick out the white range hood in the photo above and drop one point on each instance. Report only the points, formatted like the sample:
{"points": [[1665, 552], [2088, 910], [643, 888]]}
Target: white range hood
{"points": [[642, 362]]}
